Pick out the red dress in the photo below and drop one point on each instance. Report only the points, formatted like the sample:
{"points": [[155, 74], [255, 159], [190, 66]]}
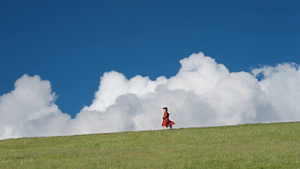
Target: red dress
{"points": [[166, 121]]}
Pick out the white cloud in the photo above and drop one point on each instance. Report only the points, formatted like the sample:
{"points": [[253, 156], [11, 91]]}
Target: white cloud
{"points": [[29, 110], [281, 86], [114, 84], [202, 93]]}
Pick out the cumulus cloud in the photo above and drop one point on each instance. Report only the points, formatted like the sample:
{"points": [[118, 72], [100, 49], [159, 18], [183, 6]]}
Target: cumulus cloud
{"points": [[281, 88], [29, 110], [202, 93]]}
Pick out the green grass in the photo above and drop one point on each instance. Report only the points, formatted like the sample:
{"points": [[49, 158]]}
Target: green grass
{"points": [[244, 146]]}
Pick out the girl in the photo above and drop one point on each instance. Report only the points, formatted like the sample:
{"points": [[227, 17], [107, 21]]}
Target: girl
{"points": [[166, 121]]}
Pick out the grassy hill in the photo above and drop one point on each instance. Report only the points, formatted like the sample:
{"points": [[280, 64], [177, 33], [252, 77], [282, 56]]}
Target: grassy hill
{"points": [[244, 146]]}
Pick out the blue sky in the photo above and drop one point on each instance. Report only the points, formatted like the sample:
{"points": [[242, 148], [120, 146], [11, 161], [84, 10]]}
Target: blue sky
{"points": [[72, 43]]}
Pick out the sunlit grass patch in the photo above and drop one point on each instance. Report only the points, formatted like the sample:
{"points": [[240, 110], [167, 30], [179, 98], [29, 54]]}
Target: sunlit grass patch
{"points": [[243, 146]]}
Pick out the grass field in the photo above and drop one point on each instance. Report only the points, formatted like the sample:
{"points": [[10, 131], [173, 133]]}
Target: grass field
{"points": [[244, 146]]}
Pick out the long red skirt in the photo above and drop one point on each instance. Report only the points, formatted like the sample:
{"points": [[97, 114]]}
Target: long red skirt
{"points": [[167, 122]]}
